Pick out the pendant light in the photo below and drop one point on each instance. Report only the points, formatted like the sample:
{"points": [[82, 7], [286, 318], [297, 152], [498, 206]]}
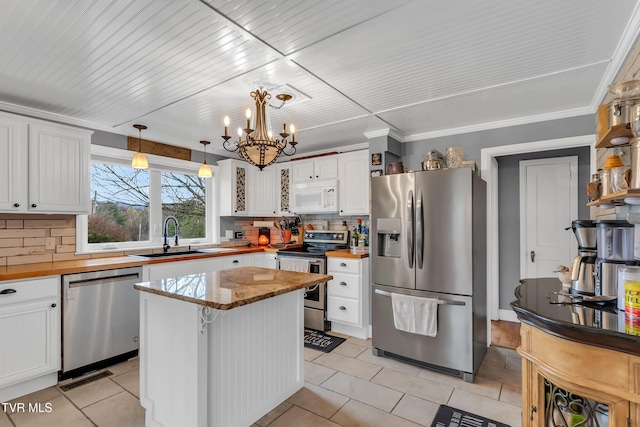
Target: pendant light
{"points": [[205, 169], [139, 159]]}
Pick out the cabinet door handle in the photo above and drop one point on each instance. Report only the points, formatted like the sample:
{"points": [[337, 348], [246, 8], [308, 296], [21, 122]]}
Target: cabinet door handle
{"points": [[342, 307], [343, 283], [533, 409], [16, 205], [235, 261], [8, 291], [310, 177], [342, 264], [317, 176], [533, 256], [33, 205], [54, 305]]}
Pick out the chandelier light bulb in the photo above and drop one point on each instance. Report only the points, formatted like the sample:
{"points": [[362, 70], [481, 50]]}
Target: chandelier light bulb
{"points": [[270, 134], [292, 128], [248, 113], [226, 121]]}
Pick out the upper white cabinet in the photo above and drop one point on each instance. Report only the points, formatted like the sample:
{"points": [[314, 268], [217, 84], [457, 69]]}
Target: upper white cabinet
{"points": [[283, 189], [233, 180], [353, 185], [262, 190], [45, 167], [316, 169]]}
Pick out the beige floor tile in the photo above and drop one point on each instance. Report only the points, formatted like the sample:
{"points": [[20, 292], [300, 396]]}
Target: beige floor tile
{"points": [[318, 400], [357, 368], [418, 410], [317, 374], [357, 414], [387, 362], [480, 385], [372, 394], [120, 410], [507, 352], [63, 413], [93, 392], [503, 375], [418, 387], [124, 367], [511, 395], [514, 363], [4, 420], [273, 414], [359, 341], [130, 381], [494, 357], [489, 408], [348, 349], [298, 417], [40, 396], [310, 354]]}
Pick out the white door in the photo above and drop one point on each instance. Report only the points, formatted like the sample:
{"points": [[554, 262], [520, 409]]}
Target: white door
{"points": [[548, 204]]}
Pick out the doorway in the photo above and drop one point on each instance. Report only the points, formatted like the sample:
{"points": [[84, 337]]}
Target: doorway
{"points": [[548, 204], [489, 172]]}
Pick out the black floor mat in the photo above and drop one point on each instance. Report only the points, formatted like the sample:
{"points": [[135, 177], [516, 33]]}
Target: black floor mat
{"points": [[320, 341]]}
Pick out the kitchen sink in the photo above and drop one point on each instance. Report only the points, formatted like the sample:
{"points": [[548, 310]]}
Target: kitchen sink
{"points": [[183, 253]]}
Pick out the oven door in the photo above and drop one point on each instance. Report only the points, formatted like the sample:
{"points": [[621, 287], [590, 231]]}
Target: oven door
{"points": [[315, 296]]}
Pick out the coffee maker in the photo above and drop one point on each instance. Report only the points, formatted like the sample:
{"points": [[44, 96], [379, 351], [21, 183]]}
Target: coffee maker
{"points": [[583, 268], [614, 241]]}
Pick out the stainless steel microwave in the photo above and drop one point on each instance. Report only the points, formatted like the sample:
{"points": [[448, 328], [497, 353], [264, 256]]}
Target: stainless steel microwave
{"points": [[315, 196]]}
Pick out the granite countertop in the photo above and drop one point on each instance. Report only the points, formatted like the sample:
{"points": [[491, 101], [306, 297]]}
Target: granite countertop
{"points": [[602, 325], [227, 289]]}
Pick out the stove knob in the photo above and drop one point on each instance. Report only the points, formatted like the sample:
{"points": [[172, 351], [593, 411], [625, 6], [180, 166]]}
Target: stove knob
{"points": [[310, 236], [335, 236]]}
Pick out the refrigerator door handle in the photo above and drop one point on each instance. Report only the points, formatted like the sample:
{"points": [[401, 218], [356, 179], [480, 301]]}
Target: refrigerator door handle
{"points": [[409, 232], [419, 230]]}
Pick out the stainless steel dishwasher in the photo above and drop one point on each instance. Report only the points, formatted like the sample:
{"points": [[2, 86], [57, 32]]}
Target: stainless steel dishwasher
{"points": [[100, 319]]}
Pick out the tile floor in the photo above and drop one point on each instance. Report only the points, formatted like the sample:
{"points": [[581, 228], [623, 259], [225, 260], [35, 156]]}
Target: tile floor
{"points": [[348, 387]]}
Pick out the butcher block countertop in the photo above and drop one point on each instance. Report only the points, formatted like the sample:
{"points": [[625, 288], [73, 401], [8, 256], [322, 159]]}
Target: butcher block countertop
{"points": [[346, 253], [227, 289], [26, 271]]}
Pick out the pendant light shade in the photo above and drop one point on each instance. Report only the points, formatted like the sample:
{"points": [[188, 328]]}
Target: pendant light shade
{"points": [[139, 159], [205, 169]]}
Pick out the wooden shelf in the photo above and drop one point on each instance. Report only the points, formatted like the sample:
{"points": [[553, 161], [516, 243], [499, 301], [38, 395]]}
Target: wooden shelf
{"points": [[614, 132], [616, 198]]}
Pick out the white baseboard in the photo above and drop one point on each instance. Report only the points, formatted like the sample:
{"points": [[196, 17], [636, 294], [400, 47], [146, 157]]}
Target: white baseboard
{"points": [[508, 315]]}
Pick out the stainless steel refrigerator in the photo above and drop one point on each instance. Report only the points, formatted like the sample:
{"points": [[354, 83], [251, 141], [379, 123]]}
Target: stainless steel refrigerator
{"points": [[428, 239]]}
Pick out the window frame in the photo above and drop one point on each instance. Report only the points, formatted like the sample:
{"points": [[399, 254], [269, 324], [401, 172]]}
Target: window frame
{"points": [[157, 165]]}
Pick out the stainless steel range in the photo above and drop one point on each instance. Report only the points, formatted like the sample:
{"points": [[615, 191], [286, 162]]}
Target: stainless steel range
{"points": [[310, 257]]}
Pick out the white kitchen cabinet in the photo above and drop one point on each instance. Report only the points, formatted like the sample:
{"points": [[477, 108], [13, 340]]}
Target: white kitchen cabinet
{"points": [[262, 191], [237, 261], [264, 259], [233, 179], [183, 268], [348, 296], [30, 335], [283, 189], [270, 258], [353, 183], [313, 170], [45, 167]]}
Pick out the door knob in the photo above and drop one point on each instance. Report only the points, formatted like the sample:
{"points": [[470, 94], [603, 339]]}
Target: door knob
{"points": [[533, 256]]}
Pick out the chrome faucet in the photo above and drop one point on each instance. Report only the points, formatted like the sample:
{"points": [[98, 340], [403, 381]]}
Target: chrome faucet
{"points": [[165, 227]]}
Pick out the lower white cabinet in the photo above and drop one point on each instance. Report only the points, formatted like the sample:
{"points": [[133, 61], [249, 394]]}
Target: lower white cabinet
{"points": [[348, 296], [29, 335], [237, 261]]}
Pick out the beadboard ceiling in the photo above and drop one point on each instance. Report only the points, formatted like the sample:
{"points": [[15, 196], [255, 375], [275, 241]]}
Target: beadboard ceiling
{"points": [[412, 69]]}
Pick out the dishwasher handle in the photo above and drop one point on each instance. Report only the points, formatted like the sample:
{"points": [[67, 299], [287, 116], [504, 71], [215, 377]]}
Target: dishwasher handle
{"points": [[100, 280]]}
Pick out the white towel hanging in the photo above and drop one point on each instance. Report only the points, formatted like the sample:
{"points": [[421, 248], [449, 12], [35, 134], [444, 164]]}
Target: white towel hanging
{"points": [[414, 314], [299, 265]]}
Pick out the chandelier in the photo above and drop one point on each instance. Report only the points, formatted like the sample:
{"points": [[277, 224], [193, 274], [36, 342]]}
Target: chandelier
{"points": [[259, 147]]}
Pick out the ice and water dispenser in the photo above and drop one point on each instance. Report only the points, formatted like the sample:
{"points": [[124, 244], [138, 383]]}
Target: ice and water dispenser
{"points": [[389, 237]]}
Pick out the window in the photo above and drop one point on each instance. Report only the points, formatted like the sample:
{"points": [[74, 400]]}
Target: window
{"points": [[129, 206]]}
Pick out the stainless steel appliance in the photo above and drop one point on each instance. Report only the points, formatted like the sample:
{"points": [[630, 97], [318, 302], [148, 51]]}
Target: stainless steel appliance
{"points": [[614, 250], [100, 319], [316, 244], [583, 268], [428, 239]]}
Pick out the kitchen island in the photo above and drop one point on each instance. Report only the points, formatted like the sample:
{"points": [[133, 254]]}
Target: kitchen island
{"points": [[578, 361], [221, 348]]}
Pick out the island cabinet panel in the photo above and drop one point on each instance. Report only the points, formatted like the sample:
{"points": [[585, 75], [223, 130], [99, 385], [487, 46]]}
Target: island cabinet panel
{"points": [[205, 367], [556, 371]]}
